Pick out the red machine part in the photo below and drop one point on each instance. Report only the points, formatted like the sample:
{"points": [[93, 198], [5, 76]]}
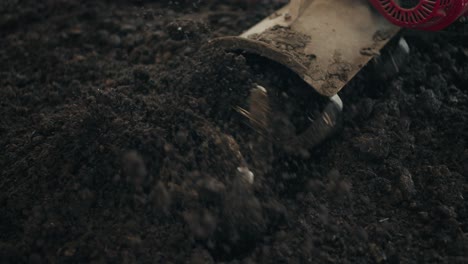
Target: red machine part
{"points": [[426, 15]]}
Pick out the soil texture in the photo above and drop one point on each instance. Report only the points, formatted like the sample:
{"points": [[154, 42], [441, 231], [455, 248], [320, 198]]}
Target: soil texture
{"points": [[121, 142]]}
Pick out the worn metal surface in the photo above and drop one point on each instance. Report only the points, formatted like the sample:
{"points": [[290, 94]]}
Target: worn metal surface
{"points": [[326, 42]]}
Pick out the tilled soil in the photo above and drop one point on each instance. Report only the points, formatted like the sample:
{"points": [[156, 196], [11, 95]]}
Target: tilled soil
{"points": [[120, 143]]}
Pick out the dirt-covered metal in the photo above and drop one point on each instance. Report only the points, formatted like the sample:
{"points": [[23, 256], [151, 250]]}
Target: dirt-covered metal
{"points": [[326, 42]]}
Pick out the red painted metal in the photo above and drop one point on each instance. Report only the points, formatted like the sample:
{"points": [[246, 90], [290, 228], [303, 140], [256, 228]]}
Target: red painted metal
{"points": [[426, 15]]}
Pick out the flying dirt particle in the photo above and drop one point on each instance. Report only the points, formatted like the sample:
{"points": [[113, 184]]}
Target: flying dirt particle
{"points": [[380, 185], [201, 256], [315, 186], [366, 107], [337, 186], [242, 214], [128, 257], [202, 223], [424, 216], [275, 212], [444, 212], [407, 185], [211, 189], [87, 197], [145, 55], [35, 259], [134, 169], [133, 241], [181, 136], [180, 30], [161, 197], [429, 101], [141, 74], [168, 148], [114, 40], [323, 214], [372, 146], [69, 252], [378, 253]]}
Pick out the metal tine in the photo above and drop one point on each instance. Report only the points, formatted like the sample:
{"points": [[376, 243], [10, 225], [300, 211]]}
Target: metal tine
{"points": [[259, 109]]}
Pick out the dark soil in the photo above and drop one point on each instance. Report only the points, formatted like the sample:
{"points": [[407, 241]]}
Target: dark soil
{"points": [[120, 143]]}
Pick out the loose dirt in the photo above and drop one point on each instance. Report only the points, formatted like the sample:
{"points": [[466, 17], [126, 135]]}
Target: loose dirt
{"points": [[120, 142]]}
